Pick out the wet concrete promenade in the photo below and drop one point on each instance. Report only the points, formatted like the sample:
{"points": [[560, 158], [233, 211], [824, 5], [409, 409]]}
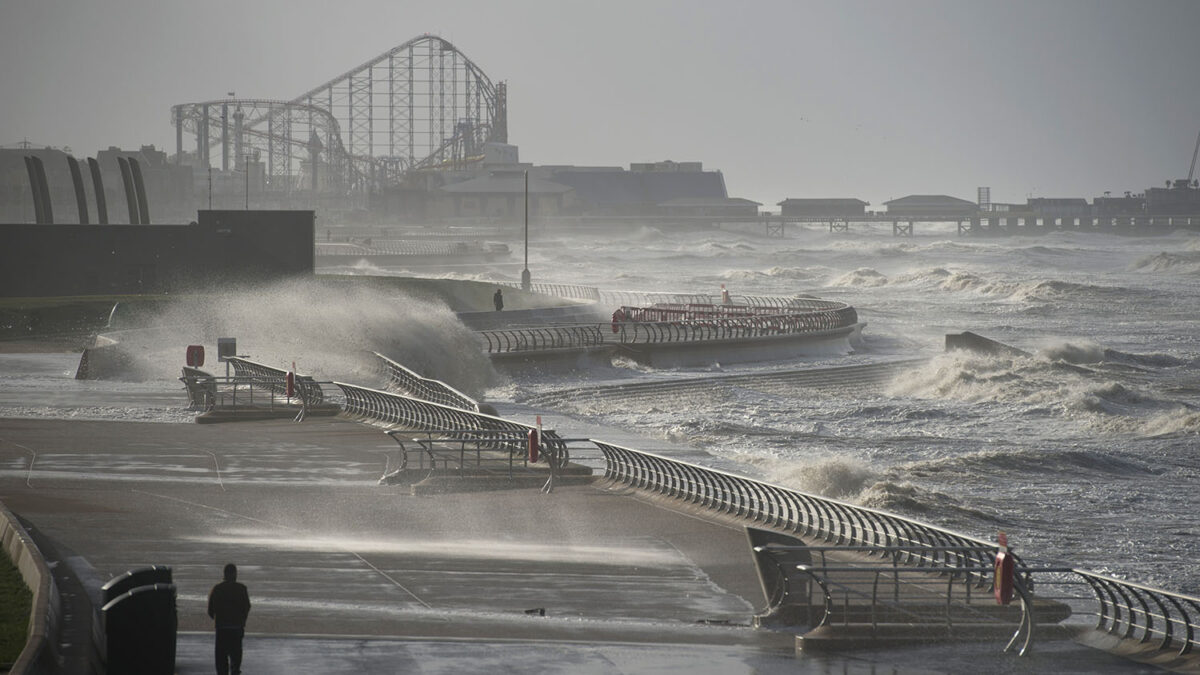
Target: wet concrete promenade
{"points": [[347, 575], [376, 574]]}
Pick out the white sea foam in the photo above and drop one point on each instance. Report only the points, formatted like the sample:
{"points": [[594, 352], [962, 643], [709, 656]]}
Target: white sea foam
{"points": [[835, 477], [863, 277], [327, 329]]}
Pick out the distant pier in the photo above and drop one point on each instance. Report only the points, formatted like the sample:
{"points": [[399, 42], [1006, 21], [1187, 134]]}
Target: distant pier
{"points": [[989, 224]]}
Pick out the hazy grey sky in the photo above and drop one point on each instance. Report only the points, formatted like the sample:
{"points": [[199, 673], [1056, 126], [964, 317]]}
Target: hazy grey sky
{"points": [[851, 98]]}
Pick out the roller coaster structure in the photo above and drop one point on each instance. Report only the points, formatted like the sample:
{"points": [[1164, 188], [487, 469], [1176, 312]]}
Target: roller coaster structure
{"points": [[421, 105]]}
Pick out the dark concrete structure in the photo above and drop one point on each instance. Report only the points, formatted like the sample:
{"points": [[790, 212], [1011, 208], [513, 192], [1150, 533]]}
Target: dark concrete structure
{"points": [[501, 194], [1178, 199], [639, 192], [822, 207], [709, 207], [1059, 206], [222, 247]]}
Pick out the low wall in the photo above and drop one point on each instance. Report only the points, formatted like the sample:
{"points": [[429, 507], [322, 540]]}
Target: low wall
{"points": [[44, 625]]}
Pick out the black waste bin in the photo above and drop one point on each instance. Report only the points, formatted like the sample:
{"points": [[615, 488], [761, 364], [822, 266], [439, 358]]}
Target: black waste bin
{"points": [[140, 626], [143, 576]]}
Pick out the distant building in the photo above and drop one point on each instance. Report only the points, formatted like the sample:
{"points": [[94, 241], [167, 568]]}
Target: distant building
{"points": [[501, 195], [1059, 206], [709, 207], [1129, 205], [1180, 199], [169, 192], [824, 207], [928, 206], [613, 191]]}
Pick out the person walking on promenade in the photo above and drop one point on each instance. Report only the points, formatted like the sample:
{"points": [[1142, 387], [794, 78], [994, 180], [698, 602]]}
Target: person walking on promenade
{"points": [[228, 606], [498, 300]]}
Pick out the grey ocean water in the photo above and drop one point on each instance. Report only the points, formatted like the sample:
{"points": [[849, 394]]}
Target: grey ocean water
{"points": [[1087, 452]]}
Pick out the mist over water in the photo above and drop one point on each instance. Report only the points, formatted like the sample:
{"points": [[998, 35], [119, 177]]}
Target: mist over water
{"points": [[327, 330]]}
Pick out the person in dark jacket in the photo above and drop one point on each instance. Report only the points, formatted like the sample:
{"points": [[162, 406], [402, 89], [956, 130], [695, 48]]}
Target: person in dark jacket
{"points": [[498, 300], [228, 606]]}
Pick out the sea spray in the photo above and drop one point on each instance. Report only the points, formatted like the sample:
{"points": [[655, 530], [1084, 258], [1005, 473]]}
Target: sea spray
{"points": [[834, 477], [327, 329], [1072, 352]]}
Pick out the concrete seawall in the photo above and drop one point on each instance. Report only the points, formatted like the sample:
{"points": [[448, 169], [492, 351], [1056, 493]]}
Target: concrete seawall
{"points": [[44, 618]]}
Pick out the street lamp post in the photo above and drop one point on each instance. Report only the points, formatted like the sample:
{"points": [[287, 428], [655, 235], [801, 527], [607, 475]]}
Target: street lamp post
{"points": [[525, 281]]}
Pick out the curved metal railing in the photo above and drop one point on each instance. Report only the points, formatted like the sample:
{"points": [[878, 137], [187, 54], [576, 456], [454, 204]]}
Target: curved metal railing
{"points": [[635, 333], [571, 291], [419, 415], [542, 338], [274, 379], [736, 327], [806, 515], [619, 298], [1125, 610], [407, 382], [1134, 612]]}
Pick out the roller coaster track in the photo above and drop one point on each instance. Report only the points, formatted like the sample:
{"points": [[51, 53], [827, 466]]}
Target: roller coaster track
{"points": [[422, 104]]}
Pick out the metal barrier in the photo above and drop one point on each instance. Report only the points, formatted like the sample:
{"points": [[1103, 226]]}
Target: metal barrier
{"points": [[421, 415], [1124, 610], [571, 291], [619, 298], [544, 338], [740, 327], [806, 515], [409, 383], [709, 311], [207, 392], [753, 324], [275, 380], [201, 388], [1134, 612], [467, 450]]}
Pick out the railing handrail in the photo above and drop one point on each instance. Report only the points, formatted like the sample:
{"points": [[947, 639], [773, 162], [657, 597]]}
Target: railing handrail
{"points": [[306, 387], [426, 388], [1122, 618], [576, 336], [1126, 609], [1131, 584], [662, 458], [792, 510]]}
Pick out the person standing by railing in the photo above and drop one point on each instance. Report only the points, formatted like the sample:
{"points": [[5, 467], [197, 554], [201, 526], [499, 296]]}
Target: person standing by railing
{"points": [[498, 300]]}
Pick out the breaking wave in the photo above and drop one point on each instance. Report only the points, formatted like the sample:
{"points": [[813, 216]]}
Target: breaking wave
{"points": [[326, 327], [1039, 291], [900, 496], [1175, 263], [833, 477], [863, 277], [1090, 397], [1021, 460], [798, 273]]}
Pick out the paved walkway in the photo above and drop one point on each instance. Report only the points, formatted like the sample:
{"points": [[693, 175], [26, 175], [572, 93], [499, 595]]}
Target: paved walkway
{"points": [[328, 552], [347, 575]]}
